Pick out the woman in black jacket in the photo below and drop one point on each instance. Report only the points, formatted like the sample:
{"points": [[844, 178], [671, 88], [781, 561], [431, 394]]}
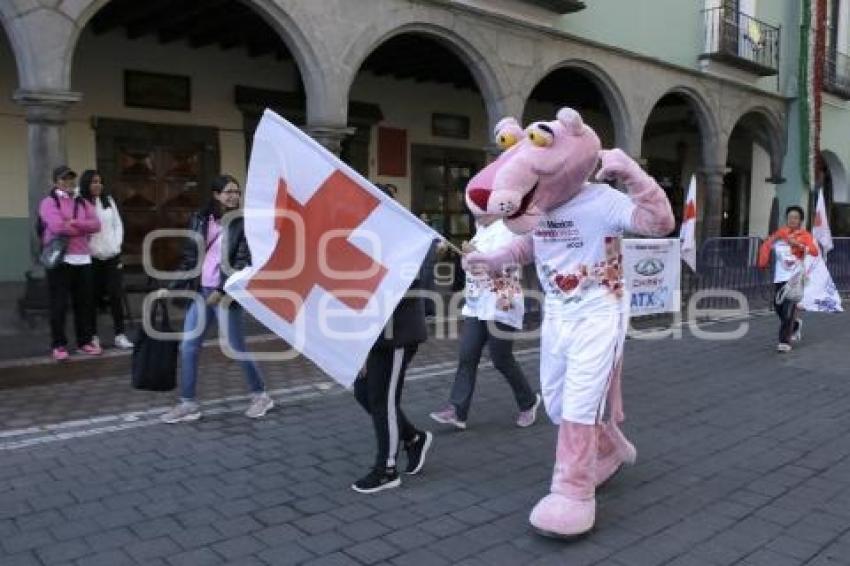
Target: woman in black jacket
{"points": [[225, 250], [378, 390]]}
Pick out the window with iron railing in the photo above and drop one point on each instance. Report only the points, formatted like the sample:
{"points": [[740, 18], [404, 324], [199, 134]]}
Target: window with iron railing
{"points": [[741, 40], [836, 74]]}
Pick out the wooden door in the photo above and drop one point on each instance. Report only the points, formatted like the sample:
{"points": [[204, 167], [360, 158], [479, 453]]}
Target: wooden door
{"points": [[158, 176]]}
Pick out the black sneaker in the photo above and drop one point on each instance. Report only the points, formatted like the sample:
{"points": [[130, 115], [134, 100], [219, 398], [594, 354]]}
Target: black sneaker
{"points": [[377, 480], [417, 451]]}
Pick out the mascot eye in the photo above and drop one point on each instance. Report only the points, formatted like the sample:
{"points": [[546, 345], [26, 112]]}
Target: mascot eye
{"points": [[540, 138], [506, 140]]}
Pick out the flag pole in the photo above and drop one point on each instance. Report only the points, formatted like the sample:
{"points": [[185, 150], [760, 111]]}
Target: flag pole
{"points": [[452, 247]]}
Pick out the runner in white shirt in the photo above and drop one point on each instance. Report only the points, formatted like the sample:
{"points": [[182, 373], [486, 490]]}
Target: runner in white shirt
{"points": [[493, 310]]}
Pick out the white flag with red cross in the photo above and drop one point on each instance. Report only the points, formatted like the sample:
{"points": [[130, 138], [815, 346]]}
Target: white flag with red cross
{"points": [[332, 255], [820, 225], [687, 233]]}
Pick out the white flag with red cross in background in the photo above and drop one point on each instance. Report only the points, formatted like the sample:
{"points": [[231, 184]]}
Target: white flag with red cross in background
{"points": [[332, 255], [687, 233], [820, 225]]}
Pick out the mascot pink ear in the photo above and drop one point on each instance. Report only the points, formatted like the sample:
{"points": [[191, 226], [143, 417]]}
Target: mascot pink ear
{"points": [[571, 120]]}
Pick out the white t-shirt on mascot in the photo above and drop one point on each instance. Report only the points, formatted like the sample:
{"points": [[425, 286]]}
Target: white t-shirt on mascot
{"points": [[500, 299], [578, 255]]}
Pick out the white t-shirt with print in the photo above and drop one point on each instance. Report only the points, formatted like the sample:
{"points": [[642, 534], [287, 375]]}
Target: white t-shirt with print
{"points": [[499, 299], [578, 255], [787, 264]]}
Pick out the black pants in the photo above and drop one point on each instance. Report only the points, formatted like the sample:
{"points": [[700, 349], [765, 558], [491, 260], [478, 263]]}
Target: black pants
{"points": [[786, 311], [379, 393], [75, 281], [474, 334], [108, 288]]}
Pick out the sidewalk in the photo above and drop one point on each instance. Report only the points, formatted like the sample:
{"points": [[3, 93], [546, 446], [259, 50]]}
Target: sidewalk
{"points": [[744, 458]]}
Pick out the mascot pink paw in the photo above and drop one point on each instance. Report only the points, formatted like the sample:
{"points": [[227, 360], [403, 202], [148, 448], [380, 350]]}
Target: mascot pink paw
{"points": [[559, 516]]}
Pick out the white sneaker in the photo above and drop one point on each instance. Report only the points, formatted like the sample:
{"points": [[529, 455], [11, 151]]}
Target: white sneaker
{"points": [[261, 404], [798, 334], [184, 412], [121, 341], [782, 347]]}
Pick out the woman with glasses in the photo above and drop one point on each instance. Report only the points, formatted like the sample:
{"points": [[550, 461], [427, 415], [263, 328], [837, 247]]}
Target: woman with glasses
{"points": [[223, 239]]}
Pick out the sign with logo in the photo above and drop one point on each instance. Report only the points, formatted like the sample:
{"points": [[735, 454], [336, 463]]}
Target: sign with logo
{"points": [[653, 271]]}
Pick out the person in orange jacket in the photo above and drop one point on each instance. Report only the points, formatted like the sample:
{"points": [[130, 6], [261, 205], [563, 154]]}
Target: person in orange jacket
{"points": [[790, 245]]}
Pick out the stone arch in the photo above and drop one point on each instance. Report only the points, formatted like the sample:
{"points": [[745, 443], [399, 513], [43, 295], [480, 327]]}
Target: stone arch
{"points": [[712, 151], [488, 77], [767, 130], [611, 93], [19, 53], [838, 173], [287, 28]]}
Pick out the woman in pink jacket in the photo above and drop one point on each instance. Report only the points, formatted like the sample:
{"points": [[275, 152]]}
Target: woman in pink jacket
{"points": [[64, 215]]}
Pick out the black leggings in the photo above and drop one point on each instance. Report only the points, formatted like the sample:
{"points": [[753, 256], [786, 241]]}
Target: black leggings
{"points": [[108, 288], [379, 393], [74, 281], [786, 311]]}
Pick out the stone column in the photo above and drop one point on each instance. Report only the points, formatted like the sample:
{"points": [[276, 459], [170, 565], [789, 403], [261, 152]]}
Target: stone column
{"points": [[46, 115], [331, 137], [713, 187]]}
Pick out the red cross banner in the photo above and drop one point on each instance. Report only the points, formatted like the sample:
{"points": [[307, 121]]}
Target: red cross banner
{"points": [[331, 254]]}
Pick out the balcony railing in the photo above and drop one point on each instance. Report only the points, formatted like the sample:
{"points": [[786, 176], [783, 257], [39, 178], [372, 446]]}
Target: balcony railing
{"points": [[742, 41], [836, 74]]}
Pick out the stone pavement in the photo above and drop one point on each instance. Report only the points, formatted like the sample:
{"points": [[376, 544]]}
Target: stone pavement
{"points": [[744, 458]]}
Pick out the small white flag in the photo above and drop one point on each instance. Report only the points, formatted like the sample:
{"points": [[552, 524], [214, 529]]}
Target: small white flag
{"points": [[687, 233], [820, 225], [331, 254]]}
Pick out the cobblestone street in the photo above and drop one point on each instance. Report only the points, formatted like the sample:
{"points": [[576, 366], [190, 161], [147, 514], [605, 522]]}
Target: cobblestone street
{"points": [[744, 458]]}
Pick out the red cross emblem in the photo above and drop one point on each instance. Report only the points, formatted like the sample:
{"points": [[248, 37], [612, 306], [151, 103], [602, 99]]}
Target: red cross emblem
{"points": [[340, 204]]}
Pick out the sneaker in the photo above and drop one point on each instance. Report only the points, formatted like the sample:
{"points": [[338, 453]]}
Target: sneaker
{"points": [[184, 412], [798, 331], [783, 347], [91, 349], [377, 480], [526, 418], [417, 451], [121, 341], [60, 354], [449, 416], [261, 404]]}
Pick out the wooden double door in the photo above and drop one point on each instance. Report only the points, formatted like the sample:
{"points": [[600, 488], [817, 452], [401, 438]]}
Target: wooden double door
{"points": [[158, 175]]}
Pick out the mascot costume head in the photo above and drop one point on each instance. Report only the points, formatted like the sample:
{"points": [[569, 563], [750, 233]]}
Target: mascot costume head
{"points": [[540, 169]]}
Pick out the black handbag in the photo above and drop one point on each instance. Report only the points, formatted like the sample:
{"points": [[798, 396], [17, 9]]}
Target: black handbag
{"points": [[154, 364]]}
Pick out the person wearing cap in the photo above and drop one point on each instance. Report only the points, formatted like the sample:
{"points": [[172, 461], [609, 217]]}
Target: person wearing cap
{"points": [[64, 215]]}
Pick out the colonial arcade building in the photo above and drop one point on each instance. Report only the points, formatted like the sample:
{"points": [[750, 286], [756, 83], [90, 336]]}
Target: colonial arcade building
{"points": [[161, 95]]}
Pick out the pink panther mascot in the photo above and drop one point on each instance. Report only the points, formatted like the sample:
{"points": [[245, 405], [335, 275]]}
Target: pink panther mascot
{"points": [[572, 230]]}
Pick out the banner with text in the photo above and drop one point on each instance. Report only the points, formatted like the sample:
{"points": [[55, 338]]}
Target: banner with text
{"points": [[652, 269]]}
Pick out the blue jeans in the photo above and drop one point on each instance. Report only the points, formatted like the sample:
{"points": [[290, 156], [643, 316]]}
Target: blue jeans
{"points": [[190, 348]]}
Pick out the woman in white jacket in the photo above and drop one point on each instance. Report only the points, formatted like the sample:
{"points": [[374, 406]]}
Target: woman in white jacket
{"points": [[106, 254]]}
